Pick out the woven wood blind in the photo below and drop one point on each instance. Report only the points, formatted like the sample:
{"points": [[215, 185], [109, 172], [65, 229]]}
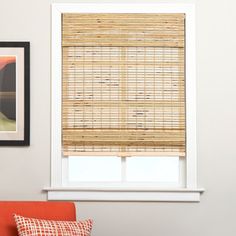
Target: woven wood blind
{"points": [[123, 84]]}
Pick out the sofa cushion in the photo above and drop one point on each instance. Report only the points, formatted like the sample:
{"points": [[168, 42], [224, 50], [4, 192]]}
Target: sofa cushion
{"points": [[30, 227]]}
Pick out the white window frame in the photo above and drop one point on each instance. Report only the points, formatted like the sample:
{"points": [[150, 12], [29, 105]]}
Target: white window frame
{"points": [[57, 190]]}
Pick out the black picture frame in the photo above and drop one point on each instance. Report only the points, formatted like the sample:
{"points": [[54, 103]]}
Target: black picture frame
{"points": [[16, 131]]}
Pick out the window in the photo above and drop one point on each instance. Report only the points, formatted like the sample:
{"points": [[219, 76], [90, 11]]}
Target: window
{"points": [[123, 102]]}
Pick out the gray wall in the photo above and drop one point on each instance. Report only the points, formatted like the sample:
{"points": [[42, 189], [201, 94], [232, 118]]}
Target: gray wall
{"points": [[24, 172]]}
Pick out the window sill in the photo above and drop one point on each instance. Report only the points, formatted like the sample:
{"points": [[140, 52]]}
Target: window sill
{"points": [[123, 194]]}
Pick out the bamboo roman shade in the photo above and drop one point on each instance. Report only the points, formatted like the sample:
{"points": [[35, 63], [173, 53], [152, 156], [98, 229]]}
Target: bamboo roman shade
{"points": [[123, 84]]}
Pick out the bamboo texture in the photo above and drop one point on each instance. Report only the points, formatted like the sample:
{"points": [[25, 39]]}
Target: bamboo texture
{"points": [[123, 30], [123, 84]]}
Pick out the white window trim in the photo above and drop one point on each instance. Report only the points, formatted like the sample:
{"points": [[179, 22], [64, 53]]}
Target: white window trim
{"points": [[57, 191]]}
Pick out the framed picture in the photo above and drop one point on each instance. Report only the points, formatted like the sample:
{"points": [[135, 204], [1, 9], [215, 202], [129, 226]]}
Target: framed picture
{"points": [[14, 93]]}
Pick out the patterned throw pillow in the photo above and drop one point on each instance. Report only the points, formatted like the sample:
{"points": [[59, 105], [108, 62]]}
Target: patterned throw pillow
{"points": [[37, 227]]}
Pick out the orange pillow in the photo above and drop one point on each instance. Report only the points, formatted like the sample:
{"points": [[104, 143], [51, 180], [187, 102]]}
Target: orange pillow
{"points": [[32, 227]]}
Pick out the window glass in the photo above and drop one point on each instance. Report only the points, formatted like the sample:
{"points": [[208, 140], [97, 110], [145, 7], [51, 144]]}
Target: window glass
{"points": [[137, 169], [92, 169], [152, 169]]}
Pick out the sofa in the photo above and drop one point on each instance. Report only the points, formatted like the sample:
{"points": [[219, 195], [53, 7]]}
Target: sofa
{"points": [[43, 210]]}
